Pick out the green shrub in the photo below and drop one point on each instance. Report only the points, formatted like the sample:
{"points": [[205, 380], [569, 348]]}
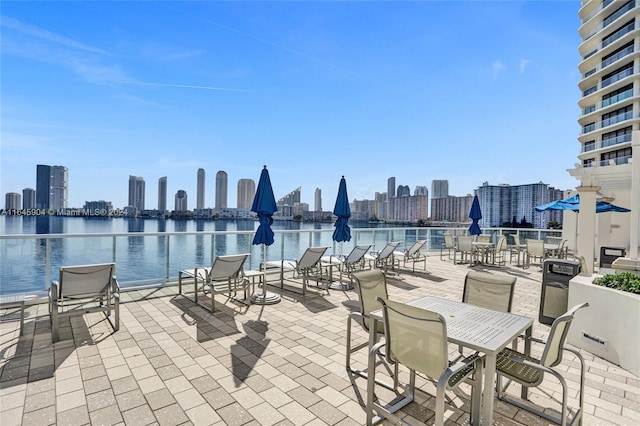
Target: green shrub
{"points": [[625, 281]]}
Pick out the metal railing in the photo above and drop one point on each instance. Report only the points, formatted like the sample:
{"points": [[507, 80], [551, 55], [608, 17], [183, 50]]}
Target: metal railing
{"points": [[143, 259]]}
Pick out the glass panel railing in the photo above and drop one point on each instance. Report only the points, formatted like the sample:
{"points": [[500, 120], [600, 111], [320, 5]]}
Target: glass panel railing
{"points": [[617, 77], [618, 13], [617, 119], [31, 261], [615, 161], [590, 90], [619, 97], [618, 34], [617, 56], [615, 141]]}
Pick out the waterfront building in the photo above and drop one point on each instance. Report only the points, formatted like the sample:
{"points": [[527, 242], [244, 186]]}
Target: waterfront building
{"points": [[200, 190], [403, 191], [609, 120], [391, 192], [246, 193], [408, 208], [181, 201], [136, 193], [318, 200], [286, 203], [300, 208], [12, 201], [221, 190], [439, 188], [162, 194], [28, 198], [51, 186], [502, 203], [451, 208], [380, 207], [100, 207]]}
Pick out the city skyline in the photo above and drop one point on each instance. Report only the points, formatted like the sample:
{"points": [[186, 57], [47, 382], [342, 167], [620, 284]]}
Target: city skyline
{"points": [[485, 92]]}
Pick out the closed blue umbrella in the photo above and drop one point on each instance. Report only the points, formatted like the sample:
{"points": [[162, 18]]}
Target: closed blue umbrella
{"points": [[264, 204], [475, 214], [343, 211], [342, 232]]}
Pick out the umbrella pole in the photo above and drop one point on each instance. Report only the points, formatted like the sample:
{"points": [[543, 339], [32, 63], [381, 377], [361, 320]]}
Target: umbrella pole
{"points": [[339, 285], [265, 298]]}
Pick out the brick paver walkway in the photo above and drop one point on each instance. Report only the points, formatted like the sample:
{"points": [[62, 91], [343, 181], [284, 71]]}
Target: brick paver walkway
{"points": [[175, 363]]}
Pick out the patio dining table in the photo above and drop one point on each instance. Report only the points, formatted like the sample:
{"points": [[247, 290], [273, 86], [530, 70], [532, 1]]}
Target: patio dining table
{"points": [[477, 328], [485, 251]]}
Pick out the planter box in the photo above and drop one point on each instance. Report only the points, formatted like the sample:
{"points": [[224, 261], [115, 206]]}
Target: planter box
{"points": [[610, 327]]}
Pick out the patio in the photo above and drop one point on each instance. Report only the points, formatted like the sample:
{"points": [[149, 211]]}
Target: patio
{"points": [[172, 362]]}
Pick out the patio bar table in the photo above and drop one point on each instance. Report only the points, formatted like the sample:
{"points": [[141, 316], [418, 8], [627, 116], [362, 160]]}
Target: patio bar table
{"points": [[480, 329]]}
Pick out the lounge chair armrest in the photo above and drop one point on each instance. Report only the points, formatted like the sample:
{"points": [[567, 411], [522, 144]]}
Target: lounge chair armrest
{"points": [[115, 285], [465, 362], [54, 291]]}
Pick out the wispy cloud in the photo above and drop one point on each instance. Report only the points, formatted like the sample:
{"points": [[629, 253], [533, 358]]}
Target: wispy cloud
{"points": [[498, 67], [180, 86], [48, 36], [523, 65]]}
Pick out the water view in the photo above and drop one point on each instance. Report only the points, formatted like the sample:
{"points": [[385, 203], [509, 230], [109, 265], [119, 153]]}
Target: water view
{"points": [[149, 251]]}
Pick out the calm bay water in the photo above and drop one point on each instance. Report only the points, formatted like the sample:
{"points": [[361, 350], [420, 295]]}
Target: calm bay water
{"points": [[151, 258]]}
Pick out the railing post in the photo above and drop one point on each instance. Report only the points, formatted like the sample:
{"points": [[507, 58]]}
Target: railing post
{"points": [[168, 256], [47, 263]]}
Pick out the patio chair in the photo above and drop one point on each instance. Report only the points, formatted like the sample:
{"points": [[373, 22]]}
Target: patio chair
{"points": [[535, 250], [499, 252], [413, 255], [484, 238], [516, 249], [352, 262], [384, 258], [371, 285], [224, 277], [82, 289], [466, 250], [488, 290], [530, 371], [447, 245], [307, 267], [417, 339]]}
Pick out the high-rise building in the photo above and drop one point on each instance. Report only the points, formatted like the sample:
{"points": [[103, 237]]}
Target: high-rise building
{"points": [[403, 191], [12, 201], [51, 187], [28, 198], [451, 209], [609, 115], [162, 194], [246, 193], [504, 203], [221, 190], [200, 192], [391, 187], [136, 193], [181, 201], [318, 200], [286, 203], [439, 188]]}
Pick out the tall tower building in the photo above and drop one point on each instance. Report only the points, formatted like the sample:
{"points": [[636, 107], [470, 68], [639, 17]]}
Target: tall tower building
{"points": [[28, 198], [221, 190], [439, 188], [246, 192], [610, 111], [162, 194], [318, 200], [136, 193], [200, 193], [391, 187], [181, 201], [12, 201], [51, 187]]}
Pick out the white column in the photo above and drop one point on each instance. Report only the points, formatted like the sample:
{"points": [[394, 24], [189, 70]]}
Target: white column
{"points": [[635, 195], [587, 225]]}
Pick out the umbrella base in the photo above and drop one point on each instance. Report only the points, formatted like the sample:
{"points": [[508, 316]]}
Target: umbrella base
{"points": [[339, 285], [265, 298]]}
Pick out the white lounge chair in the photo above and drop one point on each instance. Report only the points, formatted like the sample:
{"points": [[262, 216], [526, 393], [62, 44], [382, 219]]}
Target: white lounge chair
{"points": [[412, 255], [224, 277], [384, 258], [82, 289]]}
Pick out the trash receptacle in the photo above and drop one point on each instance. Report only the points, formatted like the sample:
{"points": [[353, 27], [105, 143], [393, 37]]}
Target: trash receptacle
{"points": [[609, 254], [554, 296]]}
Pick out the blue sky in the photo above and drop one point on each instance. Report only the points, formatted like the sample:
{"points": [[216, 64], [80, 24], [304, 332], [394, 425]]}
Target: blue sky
{"points": [[469, 91]]}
